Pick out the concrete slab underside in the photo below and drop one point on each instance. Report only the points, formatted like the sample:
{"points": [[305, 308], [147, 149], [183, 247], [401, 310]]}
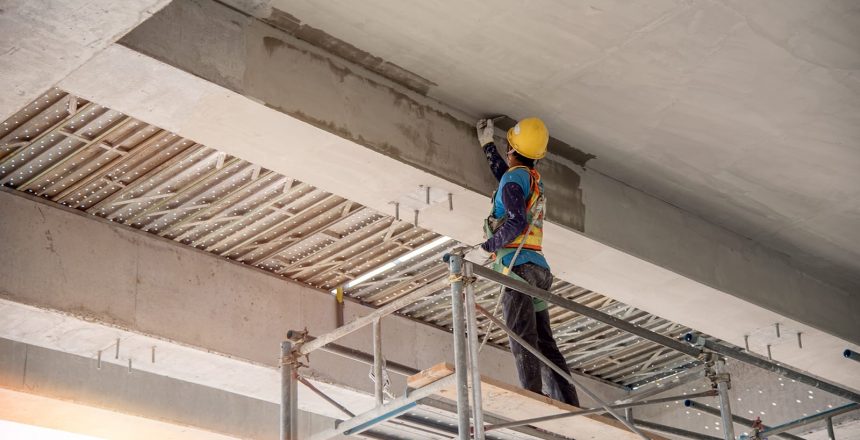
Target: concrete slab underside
{"points": [[745, 113], [253, 90]]}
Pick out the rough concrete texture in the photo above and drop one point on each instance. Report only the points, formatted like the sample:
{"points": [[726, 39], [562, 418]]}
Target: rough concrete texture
{"points": [[754, 393], [43, 41], [67, 417], [644, 252], [744, 113], [183, 301], [65, 377]]}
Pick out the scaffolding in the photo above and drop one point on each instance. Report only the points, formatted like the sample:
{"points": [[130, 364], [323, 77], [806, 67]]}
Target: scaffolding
{"points": [[470, 416]]}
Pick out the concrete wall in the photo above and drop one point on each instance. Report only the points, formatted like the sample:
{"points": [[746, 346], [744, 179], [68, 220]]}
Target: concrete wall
{"points": [[63, 260]]}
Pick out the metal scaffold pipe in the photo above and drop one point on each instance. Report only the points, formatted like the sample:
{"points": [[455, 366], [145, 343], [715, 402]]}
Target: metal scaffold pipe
{"points": [[811, 419], [460, 354], [472, 342], [586, 311], [351, 353], [534, 351], [368, 319], [737, 419], [725, 402], [676, 431], [289, 395], [585, 412], [748, 358]]}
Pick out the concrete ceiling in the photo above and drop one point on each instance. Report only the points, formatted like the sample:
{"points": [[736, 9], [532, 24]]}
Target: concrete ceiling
{"points": [[73, 152], [744, 113]]}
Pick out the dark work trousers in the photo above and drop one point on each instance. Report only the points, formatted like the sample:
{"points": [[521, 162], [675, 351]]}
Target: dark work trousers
{"points": [[534, 328]]}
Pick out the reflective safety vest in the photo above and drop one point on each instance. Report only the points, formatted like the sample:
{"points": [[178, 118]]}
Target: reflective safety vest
{"points": [[534, 217], [535, 208]]}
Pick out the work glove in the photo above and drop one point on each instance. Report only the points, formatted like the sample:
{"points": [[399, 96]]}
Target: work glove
{"points": [[485, 131], [478, 256]]}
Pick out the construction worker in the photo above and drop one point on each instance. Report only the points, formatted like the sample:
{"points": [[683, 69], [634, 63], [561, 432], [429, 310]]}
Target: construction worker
{"points": [[514, 231]]}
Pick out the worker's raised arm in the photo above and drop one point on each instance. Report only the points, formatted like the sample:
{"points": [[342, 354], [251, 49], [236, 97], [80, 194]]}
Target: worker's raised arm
{"points": [[485, 137]]}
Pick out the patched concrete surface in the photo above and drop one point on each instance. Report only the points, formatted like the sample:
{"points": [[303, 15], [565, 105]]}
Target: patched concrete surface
{"points": [[638, 249], [746, 114]]}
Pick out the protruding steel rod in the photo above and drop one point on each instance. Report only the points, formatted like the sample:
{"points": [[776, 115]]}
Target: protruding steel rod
{"points": [[460, 354], [289, 395], [379, 383], [585, 412], [558, 370], [851, 354], [811, 419], [831, 435], [725, 401], [774, 367], [473, 344], [737, 419]]}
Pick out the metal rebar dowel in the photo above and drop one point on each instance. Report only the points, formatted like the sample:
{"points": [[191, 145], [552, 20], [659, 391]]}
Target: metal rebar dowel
{"points": [[585, 412], [831, 435], [586, 311], [289, 395], [737, 419], [774, 367], [558, 370], [378, 382], [456, 269], [811, 419], [473, 345], [675, 431], [725, 401]]}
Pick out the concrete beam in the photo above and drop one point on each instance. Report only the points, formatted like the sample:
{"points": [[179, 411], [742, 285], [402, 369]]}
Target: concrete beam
{"points": [[43, 41], [258, 93], [76, 283], [112, 401]]}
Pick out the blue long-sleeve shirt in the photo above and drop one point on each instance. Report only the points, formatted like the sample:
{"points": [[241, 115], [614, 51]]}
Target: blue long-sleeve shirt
{"points": [[510, 201]]}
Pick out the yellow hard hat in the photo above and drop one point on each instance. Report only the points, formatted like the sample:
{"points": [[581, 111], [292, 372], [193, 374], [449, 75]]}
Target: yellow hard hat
{"points": [[529, 138]]}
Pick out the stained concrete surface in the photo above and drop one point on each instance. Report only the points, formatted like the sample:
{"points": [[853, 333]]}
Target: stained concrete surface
{"points": [[43, 41], [744, 113], [60, 376], [168, 293], [638, 249]]}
